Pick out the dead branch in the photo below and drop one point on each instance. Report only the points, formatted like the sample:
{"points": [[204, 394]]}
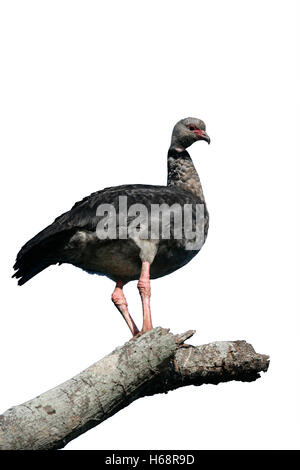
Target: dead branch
{"points": [[156, 362]]}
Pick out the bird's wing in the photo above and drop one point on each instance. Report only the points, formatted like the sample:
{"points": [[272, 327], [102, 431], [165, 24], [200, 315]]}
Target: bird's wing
{"points": [[83, 215]]}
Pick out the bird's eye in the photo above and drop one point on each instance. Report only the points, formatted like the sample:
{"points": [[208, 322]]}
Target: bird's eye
{"points": [[192, 127]]}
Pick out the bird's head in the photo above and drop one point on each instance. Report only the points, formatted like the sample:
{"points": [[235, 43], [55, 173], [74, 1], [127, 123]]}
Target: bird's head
{"points": [[187, 131]]}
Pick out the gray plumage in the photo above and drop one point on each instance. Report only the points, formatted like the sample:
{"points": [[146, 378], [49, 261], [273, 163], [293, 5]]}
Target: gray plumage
{"points": [[72, 237]]}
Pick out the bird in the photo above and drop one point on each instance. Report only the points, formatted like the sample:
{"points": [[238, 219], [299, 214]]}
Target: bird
{"points": [[85, 236]]}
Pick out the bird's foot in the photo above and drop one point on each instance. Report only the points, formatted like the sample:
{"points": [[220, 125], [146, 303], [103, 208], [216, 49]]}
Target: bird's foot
{"points": [[140, 333]]}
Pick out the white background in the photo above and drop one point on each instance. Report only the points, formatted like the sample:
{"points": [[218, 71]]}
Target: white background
{"points": [[90, 91]]}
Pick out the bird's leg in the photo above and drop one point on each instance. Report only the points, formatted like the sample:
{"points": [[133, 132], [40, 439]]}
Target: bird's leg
{"points": [[120, 302], [145, 293]]}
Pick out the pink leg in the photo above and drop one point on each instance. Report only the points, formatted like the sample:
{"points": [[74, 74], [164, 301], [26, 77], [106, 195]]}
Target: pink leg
{"points": [[145, 293], [120, 302]]}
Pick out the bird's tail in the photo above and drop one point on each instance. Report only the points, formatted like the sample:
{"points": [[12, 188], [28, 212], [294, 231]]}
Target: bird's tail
{"points": [[31, 262], [25, 271], [38, 254]]}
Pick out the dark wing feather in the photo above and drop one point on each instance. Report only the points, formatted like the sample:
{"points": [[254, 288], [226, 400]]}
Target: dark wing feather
{"points": [[43, 249]]}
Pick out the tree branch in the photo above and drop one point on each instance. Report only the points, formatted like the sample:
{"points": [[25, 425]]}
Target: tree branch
{"points": [[154, 363]]}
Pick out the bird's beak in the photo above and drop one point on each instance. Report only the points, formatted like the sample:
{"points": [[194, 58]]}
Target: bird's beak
{"points": [[202, 135], [205, 137]]}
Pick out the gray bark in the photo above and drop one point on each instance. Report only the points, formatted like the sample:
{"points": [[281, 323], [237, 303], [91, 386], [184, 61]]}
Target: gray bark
{"points": [[156, 362]]}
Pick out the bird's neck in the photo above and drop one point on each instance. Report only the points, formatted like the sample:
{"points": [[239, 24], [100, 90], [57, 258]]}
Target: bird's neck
{"points": [[182, 172]]}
